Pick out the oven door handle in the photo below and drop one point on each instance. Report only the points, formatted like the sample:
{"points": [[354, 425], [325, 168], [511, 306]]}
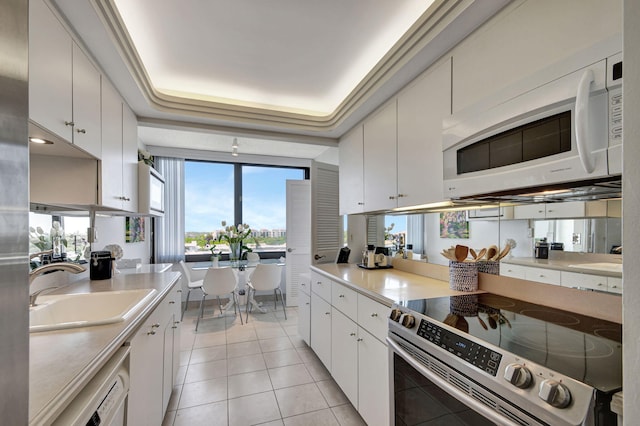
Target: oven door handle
{"points": [[453, 391]]}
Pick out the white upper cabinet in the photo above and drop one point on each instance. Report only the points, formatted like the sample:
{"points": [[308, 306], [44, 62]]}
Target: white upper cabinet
{"points": [[573, 209], [421, 108], [525, 39], [86, 104], [50, 71], [395, 158], [380, 159], [64, 86], [351, 172], [118, 187], [129, 159]]}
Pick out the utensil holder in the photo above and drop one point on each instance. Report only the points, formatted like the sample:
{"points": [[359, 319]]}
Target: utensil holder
{"points": [[463, 276], [489, 267], [464, 306]]}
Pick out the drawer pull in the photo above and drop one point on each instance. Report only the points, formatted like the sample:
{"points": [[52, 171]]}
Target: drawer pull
{"points": [[151, 333], [156, 325], [175, 326], [178, 291], [374, 315], [352, 334], [172, 302], [327, 313], [359, 339], [176, 322], [307, 303], [342, 295]]}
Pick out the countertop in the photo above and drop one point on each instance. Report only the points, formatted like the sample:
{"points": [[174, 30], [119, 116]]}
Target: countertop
{"points": [[62, 362], [562, 265], [386, 285]]}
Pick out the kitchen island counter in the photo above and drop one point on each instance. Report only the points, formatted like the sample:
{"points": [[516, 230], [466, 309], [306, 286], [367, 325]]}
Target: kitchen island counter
{"points": [[62, 362]]}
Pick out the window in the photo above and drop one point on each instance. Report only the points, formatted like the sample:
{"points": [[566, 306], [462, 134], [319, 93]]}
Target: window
{"points": [[235, 193]]}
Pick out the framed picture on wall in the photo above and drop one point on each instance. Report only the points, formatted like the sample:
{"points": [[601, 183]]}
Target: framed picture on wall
{"points": [[134, 229], [454, 225]]}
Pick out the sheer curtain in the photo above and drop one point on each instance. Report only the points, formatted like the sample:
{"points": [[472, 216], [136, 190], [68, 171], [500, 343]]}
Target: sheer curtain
{"points": [[169, 236]]}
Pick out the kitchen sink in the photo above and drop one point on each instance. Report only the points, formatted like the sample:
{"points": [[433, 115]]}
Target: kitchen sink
{"points": [[64, 311], [600, 266]]}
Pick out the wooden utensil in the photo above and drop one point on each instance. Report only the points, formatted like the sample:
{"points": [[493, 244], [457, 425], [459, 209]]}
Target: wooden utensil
{"points": [[492, 321], [482, 323], [481, 253], [473, 254], [461, 252], [504, 252], [492, 251]]}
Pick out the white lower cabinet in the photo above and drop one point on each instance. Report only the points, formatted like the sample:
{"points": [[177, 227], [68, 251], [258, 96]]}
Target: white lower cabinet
{"points": [[304, 317], [153, 362], [304, 308], [321, 329], [373, 379], [344, 354], [353, 349]]}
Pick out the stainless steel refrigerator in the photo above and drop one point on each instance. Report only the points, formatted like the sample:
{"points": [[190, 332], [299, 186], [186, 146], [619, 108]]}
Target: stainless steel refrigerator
{"points": [[14, 213]]}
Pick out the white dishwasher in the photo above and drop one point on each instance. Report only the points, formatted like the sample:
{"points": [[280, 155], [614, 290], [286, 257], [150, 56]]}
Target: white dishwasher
{"points": [[103, 401]]}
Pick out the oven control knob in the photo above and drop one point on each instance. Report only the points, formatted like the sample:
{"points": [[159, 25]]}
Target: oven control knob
{"points": [[555, 393], [518, 375], [395, 315], [407, 320]]}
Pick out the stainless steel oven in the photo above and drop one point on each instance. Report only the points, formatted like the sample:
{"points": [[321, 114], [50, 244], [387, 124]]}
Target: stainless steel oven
{"points": [[485, 359]]}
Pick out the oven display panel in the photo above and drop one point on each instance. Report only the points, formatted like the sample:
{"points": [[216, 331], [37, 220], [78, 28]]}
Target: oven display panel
{"points": [[475, 354]]}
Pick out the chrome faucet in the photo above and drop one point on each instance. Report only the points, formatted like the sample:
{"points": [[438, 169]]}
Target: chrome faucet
{"points": [[74, 268]]}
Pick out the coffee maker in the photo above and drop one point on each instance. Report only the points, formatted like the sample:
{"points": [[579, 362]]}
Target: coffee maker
{"points": [[100, 265]]}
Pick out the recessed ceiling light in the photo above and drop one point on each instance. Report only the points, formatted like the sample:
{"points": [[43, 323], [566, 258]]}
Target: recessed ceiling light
{"points": [[40, 141]]}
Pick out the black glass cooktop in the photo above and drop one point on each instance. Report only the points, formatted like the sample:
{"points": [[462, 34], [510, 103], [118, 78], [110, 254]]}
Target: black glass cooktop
{"points": [[584, 348]]}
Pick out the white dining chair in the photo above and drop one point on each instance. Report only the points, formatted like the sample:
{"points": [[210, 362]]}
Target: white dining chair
{"points": [[219, 282], [265, 277], [191, 284]]}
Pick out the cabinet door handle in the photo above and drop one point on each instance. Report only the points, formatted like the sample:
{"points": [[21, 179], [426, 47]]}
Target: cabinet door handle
{"points": [[352, 334], [342, 295], [176, 322], [360, 203], [174, 326], [307, 303], [83, 131], [151, 333], [156, 325], [359, 339], [172, 302], [392, 197], [402, 195], [374, 315], [327, 313], [178, 291], [69, 123]]}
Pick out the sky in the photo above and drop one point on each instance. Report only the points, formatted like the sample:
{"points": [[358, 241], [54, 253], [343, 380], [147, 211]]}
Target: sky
{"points": [[209, 196]]}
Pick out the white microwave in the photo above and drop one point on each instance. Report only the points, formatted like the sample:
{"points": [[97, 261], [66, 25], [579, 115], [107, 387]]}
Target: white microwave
{"points": [[150, 191], [560, 132]]}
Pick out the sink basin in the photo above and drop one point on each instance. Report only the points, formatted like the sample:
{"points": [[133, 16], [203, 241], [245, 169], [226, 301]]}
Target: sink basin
{"points": [[58, 312], [600, 266]]}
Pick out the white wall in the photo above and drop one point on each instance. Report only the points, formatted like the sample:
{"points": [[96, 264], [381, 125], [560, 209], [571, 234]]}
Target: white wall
{"points": [[111, 230], [631, 206]]}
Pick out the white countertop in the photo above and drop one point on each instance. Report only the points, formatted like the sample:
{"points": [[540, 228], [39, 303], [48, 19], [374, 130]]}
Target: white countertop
{"points": [[62, 362], [564, 265], [386, 285]]}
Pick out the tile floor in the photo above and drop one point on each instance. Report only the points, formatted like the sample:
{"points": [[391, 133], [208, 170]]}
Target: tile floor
{"points": [[260, 373]]}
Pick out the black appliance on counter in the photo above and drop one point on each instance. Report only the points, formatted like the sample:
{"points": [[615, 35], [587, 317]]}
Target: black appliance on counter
{"points": [[100, 265], [484, 359]]}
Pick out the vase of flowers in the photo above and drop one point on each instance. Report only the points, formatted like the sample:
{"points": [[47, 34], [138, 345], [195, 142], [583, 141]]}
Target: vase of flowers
{"points": [[234, 235]]}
